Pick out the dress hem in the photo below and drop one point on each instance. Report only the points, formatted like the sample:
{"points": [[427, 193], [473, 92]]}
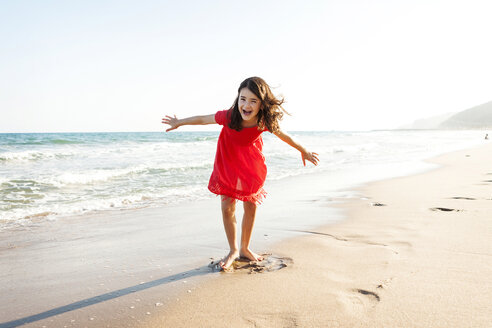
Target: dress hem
{"points": [[220, 190]]}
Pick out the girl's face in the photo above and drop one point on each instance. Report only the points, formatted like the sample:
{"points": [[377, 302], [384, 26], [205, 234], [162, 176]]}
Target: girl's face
{"points": [[249, 106]]}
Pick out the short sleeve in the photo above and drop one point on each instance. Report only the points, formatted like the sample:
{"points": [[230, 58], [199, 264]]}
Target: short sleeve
{"points": [[221, 117]]}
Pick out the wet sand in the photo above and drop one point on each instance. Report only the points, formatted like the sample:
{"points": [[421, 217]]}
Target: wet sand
{"points": [[411, 252], [117, 268], [414, 252]]}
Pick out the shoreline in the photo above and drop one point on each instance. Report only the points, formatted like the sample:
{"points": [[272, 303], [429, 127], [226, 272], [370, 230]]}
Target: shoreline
{"points": [[119, 286], [47, 178]]}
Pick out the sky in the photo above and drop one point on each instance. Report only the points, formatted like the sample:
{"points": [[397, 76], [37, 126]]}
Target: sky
{"points": [[108, 65]]}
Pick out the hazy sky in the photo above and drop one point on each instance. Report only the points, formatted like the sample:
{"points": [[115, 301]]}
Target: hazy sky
{"points": [[341, 64]]}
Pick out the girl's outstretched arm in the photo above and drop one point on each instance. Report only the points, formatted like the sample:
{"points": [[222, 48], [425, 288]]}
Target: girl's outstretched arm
{"points": [[175, 123], [306, 155]]}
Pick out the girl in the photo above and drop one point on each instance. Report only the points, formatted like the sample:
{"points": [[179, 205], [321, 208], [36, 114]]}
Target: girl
{"points": [[239, 169]]}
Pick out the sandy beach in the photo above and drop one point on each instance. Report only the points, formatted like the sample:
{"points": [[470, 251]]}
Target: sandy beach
{"points": [[424, 259], [412, 251]]}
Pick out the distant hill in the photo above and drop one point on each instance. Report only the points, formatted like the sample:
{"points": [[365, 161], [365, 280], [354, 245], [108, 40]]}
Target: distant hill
{"points": [[479, 117], [427, 123]]}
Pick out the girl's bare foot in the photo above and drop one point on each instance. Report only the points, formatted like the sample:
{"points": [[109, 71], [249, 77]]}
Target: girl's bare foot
{"points": [[250, 255], [228, 260]]}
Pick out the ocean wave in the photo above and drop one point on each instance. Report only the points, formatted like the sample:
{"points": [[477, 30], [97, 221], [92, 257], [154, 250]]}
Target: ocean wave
{"points": [[66, 149], [25, 156], [87, 177], [65, 142], [23, 216], [40, 139], [90, 176], [186, 137]]}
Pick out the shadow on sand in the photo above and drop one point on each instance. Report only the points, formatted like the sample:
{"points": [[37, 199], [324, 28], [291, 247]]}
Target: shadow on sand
{"points": [[108, 296]]}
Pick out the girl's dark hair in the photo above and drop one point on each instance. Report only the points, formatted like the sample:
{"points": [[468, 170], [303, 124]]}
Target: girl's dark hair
{"points": [[271, 110]]}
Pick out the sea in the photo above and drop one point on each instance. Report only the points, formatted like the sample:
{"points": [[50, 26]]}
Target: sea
{"points": [[45, 176]]}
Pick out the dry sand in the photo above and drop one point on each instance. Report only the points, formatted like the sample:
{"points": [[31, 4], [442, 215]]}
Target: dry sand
{"points": [[424, 259], [398, 265]]}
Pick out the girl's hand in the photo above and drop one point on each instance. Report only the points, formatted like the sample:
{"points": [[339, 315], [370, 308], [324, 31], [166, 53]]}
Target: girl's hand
{"points": [[312, 157], [172, 121]]}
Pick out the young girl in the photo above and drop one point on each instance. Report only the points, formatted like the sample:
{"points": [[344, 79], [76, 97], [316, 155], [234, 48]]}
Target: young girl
{"points": [[239, 169]]}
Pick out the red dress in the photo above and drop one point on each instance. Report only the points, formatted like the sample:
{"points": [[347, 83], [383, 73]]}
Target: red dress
{"points": [[239, 168]]}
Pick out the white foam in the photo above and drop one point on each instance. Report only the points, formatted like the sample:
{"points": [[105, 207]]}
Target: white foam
{"points": [[92, 176]]}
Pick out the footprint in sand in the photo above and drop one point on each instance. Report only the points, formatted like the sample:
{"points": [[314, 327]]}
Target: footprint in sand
{"points": [[358, 300], [444, 209], [273, 319], [369, 294], [270, 263]]}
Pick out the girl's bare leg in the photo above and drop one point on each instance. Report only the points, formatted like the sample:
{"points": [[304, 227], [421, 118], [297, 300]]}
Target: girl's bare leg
{"points": [[247, 229], [228, 206]]}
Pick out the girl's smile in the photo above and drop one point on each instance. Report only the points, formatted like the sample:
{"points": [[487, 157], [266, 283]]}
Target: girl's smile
{"points": [[249, 106]]}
